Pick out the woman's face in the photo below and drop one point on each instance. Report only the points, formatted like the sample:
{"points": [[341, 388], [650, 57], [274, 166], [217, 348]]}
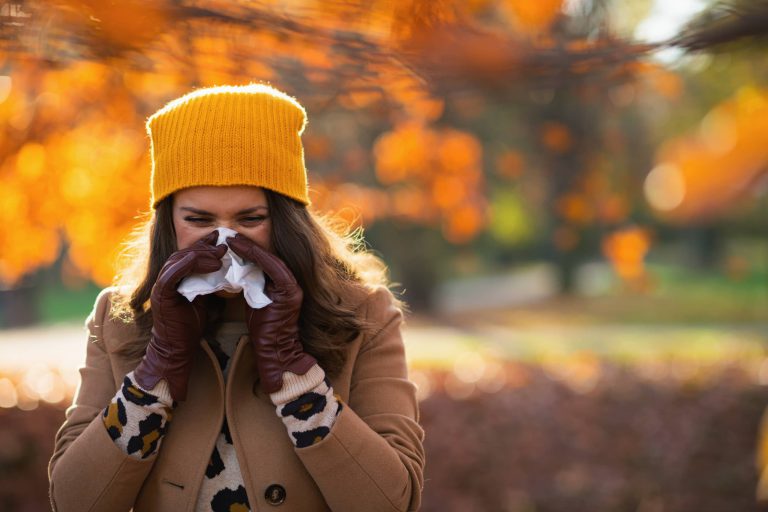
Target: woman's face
{"points": [[199, 210]]}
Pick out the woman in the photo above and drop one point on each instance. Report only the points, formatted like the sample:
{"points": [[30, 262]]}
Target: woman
{"points": [[211, 404]]}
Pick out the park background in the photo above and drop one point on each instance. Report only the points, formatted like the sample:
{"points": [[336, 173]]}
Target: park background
{"points": [[570, 194]]}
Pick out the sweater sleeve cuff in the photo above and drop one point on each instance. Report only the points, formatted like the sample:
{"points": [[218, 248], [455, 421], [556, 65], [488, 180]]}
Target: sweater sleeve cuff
{"points": [[296, 385], [136, 419], [160, 390]]}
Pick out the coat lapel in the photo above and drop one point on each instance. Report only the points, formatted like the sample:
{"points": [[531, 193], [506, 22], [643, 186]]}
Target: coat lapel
{"points": [[175, 480], [264, 451]]}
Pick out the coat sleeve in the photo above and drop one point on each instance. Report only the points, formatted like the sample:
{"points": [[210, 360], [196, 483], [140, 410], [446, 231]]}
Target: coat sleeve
{"points": [[88, 471], [373, 457]]}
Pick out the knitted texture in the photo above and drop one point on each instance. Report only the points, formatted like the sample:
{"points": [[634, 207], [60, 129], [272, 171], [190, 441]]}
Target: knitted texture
{"points": [[137, 418], [307, 407], [229, 135]]}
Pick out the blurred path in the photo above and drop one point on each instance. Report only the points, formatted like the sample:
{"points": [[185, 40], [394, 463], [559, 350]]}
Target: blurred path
{"points": [[63, 346], [60, 346]]}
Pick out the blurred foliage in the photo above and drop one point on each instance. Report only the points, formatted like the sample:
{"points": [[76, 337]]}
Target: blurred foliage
{"points": [[587, 435], [702, 173], [420, 112], [627, 443]]}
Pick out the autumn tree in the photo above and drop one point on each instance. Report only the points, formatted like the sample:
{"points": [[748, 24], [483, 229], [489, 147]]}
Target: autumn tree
{"points": [[393, 86]]}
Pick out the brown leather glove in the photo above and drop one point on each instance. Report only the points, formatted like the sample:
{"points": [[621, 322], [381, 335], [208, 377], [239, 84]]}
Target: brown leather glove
{"points": [[274, 329], [177, 323]]}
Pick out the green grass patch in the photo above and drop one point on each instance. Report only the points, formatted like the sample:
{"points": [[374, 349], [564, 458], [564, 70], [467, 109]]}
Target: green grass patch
{"points": [[59, 304]]}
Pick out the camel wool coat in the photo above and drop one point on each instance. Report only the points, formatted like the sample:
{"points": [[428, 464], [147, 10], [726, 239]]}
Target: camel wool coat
{"points": [[372, 459]]}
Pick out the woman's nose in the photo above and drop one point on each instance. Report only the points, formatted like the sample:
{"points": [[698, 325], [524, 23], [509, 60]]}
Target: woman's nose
{"points": [[225, 224]]}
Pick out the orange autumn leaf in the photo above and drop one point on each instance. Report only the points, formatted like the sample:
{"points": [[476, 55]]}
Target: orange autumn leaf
{"points": [[626, 250], [462, 224], [509, 164], [457, 151], [613, 209], [442, 173], [659, 78], [447, 191], [702, 173], [408, 203], [403, 152], [352, 202], [410, 94], [413, 18], [534, 16], [575, 208], [556, 137], [128, 23], [317, 147], [360, 98]]}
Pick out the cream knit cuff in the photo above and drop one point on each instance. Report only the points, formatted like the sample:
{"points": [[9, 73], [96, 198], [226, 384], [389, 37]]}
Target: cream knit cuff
{"points": [[160, 390], [296, 385]]}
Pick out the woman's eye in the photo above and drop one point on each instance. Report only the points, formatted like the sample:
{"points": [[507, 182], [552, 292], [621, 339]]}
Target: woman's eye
{"points": [[204, 220]]}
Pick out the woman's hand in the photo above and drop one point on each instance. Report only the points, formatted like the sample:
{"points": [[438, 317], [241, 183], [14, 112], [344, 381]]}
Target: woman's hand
{"points": [[177, 323], [274, 329]]}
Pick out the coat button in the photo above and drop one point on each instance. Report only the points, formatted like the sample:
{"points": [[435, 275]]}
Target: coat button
{"points": [[275, 494]]}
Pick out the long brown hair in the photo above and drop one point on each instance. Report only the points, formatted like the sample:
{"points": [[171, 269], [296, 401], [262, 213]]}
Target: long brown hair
{"points": [[327, 258]]}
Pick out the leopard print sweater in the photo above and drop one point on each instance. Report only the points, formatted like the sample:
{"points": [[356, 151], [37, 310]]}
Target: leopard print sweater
{"points": [[137, 419]]}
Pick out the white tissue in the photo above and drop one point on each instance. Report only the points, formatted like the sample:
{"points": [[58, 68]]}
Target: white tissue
{"points": [[234, 275]]}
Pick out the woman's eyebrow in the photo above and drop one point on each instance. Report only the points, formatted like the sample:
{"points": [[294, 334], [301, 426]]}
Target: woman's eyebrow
{"points": [[241, 212]]}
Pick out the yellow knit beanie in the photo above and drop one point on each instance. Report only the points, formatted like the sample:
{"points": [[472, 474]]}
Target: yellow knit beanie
{"points": [[229, 135]]}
